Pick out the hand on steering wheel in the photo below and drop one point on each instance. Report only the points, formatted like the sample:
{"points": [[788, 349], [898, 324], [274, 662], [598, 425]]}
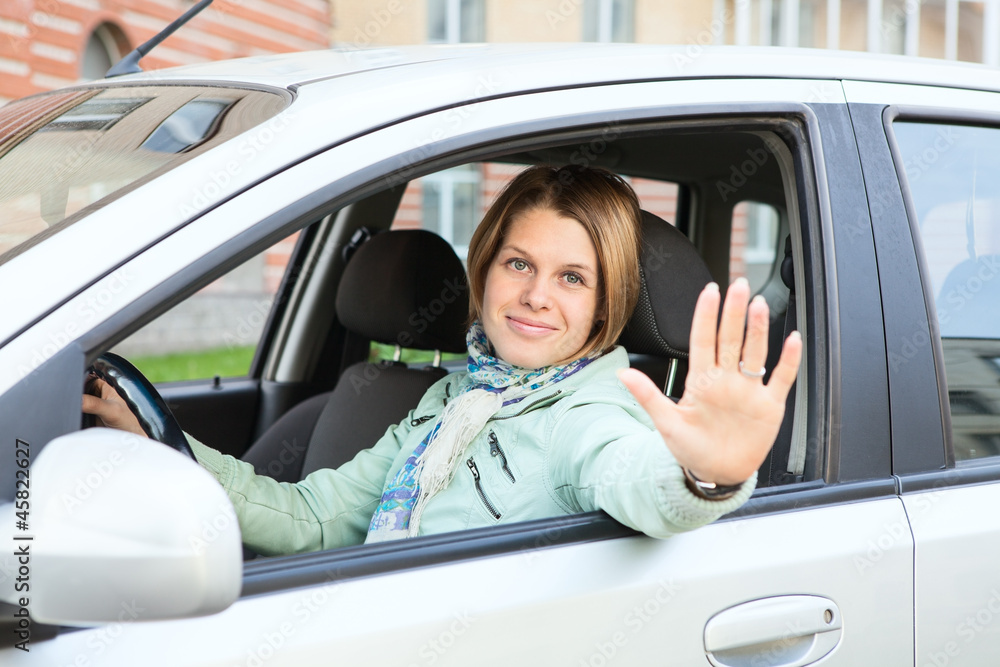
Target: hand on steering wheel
{"points": [[119, 396]]}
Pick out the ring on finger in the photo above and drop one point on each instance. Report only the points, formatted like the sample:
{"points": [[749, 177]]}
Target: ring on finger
{"points": [[752, 374]]}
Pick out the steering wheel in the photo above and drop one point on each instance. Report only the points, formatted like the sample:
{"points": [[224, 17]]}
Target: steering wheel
{"points": [[142, 399]]}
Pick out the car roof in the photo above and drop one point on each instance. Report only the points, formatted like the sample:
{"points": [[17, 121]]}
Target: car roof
{"points": [[576, 64]]}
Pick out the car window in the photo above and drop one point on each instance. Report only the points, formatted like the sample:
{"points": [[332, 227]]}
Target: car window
{"points": [[661, 196], [953, 173], [216, 331], [98, 144], [452, 202]]}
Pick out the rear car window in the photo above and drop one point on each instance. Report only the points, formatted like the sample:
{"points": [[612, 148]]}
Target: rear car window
{"points": [[953, 173], [65, 154]]}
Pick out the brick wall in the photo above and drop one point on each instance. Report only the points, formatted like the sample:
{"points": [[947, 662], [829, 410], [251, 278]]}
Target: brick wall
{"points": [[42, 42], [658, 197]]}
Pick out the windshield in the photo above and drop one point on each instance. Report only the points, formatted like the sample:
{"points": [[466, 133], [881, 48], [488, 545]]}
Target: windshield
{"points": [[66, 154]]}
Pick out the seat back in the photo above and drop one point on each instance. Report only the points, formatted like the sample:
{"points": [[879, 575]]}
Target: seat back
{"points": [[673, 274], [405, 288]]}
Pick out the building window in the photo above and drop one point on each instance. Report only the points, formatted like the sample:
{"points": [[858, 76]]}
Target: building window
{"points": [[890, 26], [451, 204], [892, 30], [102, 51], [608, 21], [454, 21], [784, 23], [754, 243]]}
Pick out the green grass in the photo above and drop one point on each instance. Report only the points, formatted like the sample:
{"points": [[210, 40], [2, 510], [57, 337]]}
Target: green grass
{"points": [[235, 361], [224, 362], [384, 352]]}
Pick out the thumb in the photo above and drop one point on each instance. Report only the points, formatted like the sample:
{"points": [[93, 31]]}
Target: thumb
{"points": [[648, 395], [91, 404]]}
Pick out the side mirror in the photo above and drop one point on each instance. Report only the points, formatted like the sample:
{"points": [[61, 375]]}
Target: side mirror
{"points": [[118, 521]]}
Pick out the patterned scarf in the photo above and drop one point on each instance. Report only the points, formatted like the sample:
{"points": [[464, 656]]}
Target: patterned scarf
{"points": [[490, 385]]}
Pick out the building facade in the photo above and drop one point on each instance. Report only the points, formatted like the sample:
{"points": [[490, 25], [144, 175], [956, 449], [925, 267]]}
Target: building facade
{"points": [[452, 202], [46, 44], [953, 29]]}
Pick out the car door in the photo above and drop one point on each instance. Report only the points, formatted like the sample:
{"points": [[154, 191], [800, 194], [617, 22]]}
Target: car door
{"points": [[819, 567], [932, 154]]}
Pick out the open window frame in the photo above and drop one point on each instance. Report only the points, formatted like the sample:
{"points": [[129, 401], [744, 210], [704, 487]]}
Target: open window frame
{"points": [[792, 123]]}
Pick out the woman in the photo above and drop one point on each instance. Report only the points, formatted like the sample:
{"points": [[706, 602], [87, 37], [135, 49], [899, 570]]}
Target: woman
{"points": [[548, 419]]}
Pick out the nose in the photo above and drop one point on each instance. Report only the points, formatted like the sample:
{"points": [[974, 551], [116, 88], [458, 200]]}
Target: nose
{"points": [[536, 294]]}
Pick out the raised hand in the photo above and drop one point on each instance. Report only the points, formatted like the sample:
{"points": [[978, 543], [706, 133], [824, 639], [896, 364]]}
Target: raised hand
{"points": [[725, 423]]}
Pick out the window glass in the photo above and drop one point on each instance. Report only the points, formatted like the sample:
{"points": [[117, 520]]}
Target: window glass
{"points": [[437, 21], [895, 15], [216, 331], [608, 21], [187, 127], [754, 243], [954, 183], [64, 154], [451, 204], [453, 21], [472, 22], [96, 59]]}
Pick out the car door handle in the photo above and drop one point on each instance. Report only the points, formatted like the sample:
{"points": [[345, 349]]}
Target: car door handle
{"points": [[784, 631]]}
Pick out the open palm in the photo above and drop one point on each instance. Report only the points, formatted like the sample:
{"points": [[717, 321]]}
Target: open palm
{"points": [[725, 423]]}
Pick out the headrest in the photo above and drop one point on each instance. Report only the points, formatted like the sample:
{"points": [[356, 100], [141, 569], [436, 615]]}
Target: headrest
{"points": [[406, 287], [673, 275]]}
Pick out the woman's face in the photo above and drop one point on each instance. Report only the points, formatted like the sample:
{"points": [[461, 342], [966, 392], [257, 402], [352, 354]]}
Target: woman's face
{"points": [[540, 300]]}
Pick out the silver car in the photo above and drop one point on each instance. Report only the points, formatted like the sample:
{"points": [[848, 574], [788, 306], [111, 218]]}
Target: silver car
{"points": [[859, 194]]}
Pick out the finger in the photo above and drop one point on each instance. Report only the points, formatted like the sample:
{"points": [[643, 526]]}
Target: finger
{"points": [[734, 312], [91, 404], [95, 386], [108, 410], [787, 369], [755, 345], [649, 396], [703, 327], [108, 392]]}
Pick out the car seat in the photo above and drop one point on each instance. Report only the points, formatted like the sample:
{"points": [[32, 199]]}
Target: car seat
{"points": [[673, 274], [405, 288]]}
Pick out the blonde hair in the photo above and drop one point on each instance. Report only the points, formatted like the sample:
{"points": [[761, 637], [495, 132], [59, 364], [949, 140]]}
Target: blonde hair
{"points": [[608, 209]]}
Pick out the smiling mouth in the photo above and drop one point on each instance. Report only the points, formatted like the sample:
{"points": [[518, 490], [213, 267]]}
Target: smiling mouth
{"points": [[528, 327]]}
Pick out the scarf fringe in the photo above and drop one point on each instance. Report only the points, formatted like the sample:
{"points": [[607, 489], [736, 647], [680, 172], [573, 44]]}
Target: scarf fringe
{"points": [[461, 421]]}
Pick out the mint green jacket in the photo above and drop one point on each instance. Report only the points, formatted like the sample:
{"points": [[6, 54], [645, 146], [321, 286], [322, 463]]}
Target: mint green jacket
{"points": [[582, 444]]}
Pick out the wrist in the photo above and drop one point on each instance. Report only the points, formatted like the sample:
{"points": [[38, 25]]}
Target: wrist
{"points": [[720, 473], [709, 490]]}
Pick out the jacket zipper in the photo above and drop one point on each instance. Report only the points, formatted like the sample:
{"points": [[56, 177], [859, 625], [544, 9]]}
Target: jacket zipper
{"points": [[420, 420], [527, 407], [496, 450], [479, 487]]}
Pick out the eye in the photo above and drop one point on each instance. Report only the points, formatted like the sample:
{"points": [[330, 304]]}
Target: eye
{"points": [[574, 278], [518, 264]]}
